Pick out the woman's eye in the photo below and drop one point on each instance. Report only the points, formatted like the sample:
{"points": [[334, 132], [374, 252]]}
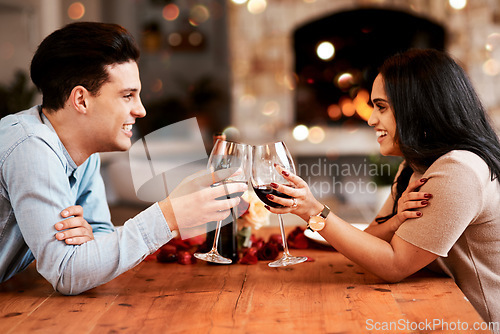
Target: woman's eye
{"points": [[380, 107], [128, 96]]}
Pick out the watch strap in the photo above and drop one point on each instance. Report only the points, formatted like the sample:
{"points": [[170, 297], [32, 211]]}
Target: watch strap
{"points": [[324, 213]]}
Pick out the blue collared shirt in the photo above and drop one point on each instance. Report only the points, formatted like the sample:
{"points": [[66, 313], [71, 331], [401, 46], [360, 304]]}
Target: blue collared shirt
{"points": [[38, 179]]}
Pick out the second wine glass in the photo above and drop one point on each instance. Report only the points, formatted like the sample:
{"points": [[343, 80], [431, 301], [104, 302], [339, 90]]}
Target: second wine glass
{"points": [[235, 158], [264, 172]]}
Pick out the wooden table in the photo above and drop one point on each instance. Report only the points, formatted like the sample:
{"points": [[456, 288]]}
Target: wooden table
{"points": [[329, 295]]}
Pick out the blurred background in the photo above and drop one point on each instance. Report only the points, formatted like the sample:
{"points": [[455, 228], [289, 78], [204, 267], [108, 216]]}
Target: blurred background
{"points": [[263, 70]]}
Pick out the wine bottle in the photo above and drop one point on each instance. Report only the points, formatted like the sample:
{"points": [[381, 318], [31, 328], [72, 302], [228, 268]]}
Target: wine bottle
{"points": [[228, 244]]}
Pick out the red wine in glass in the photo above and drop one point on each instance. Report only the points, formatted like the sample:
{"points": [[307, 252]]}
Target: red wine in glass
{"points": [[265, 158], [264, 190]]}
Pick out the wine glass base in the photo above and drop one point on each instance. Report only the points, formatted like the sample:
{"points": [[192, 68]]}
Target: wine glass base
{"points": [[212, 257], [287, 261]]}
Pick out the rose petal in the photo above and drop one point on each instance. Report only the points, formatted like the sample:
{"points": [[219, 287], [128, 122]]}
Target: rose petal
{"points": [[185, 257], [249, 257], [167, 253], [268, 252]]}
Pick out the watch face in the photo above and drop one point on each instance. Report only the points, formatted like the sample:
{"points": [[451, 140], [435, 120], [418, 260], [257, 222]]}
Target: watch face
{"points": [[316, 223]]}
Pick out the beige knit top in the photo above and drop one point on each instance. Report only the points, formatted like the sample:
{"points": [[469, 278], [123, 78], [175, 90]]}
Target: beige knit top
{"points": [[462, 225]]}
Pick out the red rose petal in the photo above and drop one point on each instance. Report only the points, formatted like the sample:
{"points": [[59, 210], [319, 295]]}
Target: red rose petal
{"points": [[268, 252], [185, 257]]}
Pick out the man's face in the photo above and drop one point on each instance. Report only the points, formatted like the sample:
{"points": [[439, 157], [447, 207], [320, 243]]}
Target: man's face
{"points": [[115, 108]]}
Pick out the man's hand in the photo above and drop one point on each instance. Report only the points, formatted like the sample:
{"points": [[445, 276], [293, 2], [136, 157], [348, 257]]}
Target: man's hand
{"points": [[201, 198], [75, 229]]}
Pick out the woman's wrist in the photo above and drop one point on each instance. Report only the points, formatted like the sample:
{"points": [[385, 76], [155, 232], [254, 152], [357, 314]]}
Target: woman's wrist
{"points": [[314, 210]]}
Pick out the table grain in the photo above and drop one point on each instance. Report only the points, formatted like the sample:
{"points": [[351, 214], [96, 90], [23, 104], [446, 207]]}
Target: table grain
{"points": [[329, 295]]}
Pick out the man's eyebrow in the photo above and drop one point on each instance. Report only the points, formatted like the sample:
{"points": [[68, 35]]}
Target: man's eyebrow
{"points": [[126, 90]]}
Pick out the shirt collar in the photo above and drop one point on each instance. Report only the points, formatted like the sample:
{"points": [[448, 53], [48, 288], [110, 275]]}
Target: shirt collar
{"points": [[71, 165]]}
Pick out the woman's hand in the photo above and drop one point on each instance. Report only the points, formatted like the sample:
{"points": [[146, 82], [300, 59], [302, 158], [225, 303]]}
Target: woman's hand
{"points": [[75, 229], [410, 201], [302, 203]]}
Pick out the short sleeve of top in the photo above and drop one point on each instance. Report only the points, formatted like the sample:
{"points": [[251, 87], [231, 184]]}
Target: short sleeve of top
{"points": [[456, 180]]}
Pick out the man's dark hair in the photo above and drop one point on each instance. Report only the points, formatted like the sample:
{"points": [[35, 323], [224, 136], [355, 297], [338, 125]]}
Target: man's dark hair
{"points": [[78, 54]]}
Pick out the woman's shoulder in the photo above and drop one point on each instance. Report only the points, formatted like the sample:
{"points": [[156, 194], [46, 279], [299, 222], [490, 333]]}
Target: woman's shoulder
{"points": [[461, 157], [465, 163]]}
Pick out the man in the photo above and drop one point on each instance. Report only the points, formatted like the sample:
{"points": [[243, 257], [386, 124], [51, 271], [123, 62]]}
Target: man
{"points": [[89, 79]]}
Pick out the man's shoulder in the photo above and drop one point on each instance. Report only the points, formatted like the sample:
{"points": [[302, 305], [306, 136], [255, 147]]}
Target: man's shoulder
{"points": [[18, 127]]}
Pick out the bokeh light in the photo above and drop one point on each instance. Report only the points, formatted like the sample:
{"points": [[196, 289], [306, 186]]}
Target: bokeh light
{"points": [[198, 14], [239, 2], [232, 133], [174, 39], [361, 104], [316, 134], [76, 10], [492, 42], [248, 100], [270, 108], [325, 50], [345, 81], [170, 12], [195, 38], [458, 4], [347, 106], [334, 112], [491, 67], [256, 6], [300, 132]]}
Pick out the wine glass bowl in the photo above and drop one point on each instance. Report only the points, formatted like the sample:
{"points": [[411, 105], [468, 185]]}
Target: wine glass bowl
{"points": [[265, 159], [235, 159]]}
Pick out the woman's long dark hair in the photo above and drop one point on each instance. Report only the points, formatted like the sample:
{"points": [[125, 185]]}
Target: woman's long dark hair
{"points": [[437, 110]]}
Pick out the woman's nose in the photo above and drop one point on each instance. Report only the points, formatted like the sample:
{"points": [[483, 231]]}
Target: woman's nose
{"points": [[373, 120]]}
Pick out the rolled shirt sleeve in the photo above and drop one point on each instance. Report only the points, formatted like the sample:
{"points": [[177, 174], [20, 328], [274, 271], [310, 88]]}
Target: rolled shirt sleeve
{"points": [[37, 200]]}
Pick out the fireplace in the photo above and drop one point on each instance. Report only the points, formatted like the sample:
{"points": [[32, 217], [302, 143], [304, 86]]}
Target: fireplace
{"points": [[337, 57]]}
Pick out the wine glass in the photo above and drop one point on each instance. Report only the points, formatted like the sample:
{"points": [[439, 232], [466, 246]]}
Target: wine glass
{"points": [[264, 172], [235, 158]]}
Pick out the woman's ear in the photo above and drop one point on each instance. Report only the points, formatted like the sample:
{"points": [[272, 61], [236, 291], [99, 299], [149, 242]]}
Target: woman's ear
{"points": [[78, 99]]}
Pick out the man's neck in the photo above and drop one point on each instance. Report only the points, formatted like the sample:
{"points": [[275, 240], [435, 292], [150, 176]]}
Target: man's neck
{"points": [[70, 132]]}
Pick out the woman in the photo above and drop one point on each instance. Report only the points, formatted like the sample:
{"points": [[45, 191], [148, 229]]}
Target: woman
{"points": [[446, 196]]}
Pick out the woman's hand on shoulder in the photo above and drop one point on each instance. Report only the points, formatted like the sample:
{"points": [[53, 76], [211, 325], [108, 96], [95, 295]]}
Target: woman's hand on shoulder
{"points": [[410, 201]]}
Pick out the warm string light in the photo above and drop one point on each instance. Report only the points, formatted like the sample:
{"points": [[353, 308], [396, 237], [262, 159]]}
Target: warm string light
{"points": [[76, 11]]}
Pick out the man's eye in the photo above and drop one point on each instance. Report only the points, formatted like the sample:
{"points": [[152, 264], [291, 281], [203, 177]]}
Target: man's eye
{"points": [[128, 96]]}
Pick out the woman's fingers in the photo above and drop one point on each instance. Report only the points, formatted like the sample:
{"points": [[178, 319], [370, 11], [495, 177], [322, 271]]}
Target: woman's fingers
{"points": [[415, 185], [409, 205]]}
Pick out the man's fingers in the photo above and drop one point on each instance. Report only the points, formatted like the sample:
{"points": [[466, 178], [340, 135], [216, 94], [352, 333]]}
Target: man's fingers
{"points": [[73, 233], [77, 240], [70, 223], [74, 210], [226, 189]]}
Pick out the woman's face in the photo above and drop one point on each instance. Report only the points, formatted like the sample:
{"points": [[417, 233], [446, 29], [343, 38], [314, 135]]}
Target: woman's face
{"points": [[382, 119]]}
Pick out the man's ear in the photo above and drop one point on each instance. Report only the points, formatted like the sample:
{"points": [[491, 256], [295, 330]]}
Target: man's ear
{"points": [[78, 99]]}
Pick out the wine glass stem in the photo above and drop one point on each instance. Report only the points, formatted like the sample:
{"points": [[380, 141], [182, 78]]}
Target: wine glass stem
{"points": [[216, 238], [283, 236]]}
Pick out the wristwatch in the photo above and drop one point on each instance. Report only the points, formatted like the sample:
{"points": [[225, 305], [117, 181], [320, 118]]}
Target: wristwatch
{"points": [[318, 222]]}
